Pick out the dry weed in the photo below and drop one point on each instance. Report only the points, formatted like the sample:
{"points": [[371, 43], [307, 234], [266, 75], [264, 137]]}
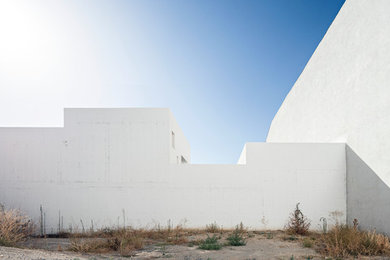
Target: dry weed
{"points": [[14, 227], [342, 241], [213, 228], [298, 223], [93, 245]]}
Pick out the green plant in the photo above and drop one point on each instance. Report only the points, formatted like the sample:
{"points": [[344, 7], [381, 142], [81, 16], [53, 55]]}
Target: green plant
{"points": [[290, 238], [237, 238], [298, 223], [210, 243], [307, 242]]}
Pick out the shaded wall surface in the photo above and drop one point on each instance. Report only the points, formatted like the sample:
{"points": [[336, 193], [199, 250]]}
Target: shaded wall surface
{"points": [[368, 197], [343, 93]]}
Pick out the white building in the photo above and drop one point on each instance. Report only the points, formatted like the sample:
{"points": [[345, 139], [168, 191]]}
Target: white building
{"points": [[327, 148], [128, 166], [343, 95]]}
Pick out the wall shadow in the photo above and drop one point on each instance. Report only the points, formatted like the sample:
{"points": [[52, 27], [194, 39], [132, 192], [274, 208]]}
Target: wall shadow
{"points": [[368, 197]]}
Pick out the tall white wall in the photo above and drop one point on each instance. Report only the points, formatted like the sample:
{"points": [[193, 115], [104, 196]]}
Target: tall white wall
{"points": [[343, 93]]}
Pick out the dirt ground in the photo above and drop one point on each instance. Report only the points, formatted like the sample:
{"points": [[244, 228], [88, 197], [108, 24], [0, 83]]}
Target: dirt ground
{"points": [[257, 247], [27, 254]]}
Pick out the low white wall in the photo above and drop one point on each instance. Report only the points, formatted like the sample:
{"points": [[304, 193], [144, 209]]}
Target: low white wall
{"points": [[261, 194], [287, 173]]}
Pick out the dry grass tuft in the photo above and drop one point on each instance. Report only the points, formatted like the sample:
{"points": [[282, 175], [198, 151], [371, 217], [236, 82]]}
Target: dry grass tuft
{"points": [[14, 227], [93, 245], [124, 242], [213, 228], [343, 241], [298, 224], [129, 242], [308, 242]]}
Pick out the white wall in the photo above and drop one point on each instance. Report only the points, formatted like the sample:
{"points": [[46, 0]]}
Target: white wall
{"points": [[312, 174], [368, 197], [87, 172], [108, 143], [182, 146], [242, 158], [263, 192], [343, 93]]}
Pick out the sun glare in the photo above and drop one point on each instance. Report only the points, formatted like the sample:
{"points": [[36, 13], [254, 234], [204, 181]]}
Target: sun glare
{"points": [[25, 46]]}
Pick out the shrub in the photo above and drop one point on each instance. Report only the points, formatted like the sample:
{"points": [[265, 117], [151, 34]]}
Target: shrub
{"points": [[129, 244], [213, 228], [343, 240], [298, 223], [290, 238], [237, 238], [14, 227], [124, 241], [307, 242], [93, 245], [210, 243]]}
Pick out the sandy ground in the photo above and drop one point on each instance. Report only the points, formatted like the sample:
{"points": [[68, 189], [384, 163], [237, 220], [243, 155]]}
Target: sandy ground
{"points": [[257, 248], [27, 254]]}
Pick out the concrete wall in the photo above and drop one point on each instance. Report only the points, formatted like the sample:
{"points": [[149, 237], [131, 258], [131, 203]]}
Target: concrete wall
{"points": [[112, 167], [368, 197], [312, 174], [181, 153], [109, 143], [95, 144], [242, 159], [343, 93], [263, 192]]}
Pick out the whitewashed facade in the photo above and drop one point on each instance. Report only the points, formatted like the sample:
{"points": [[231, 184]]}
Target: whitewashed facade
{"points": [[131, 166], [327, 148]]}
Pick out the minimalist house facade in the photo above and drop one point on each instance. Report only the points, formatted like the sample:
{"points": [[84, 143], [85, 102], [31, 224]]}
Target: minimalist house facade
{"points": [[327, 149], [131, 166]]}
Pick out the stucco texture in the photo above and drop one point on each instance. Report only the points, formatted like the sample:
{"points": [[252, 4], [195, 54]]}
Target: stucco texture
{"points": [[343, 94]]}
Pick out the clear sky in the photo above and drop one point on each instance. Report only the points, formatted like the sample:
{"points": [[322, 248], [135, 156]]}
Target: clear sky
{"points": [[222, 67]]}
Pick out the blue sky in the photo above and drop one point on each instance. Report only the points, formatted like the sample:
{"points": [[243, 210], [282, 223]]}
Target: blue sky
{"points": [[223, 67]]}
